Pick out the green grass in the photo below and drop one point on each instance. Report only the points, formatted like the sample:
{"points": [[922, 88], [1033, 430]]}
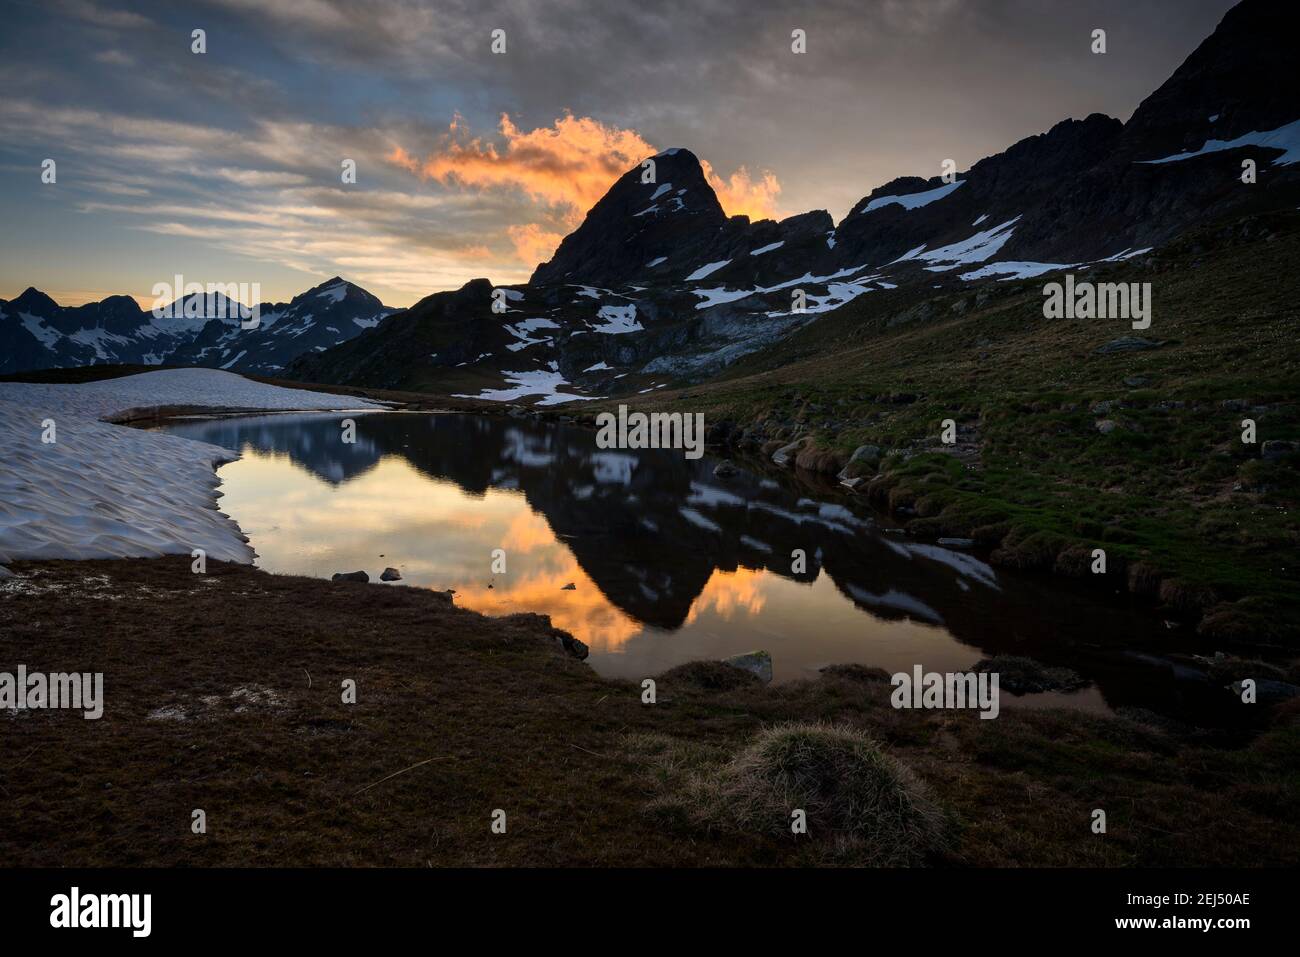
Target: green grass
{"points": [[1173, 488]]}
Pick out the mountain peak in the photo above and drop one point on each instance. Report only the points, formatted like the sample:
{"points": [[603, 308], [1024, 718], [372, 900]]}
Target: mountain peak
{"points": [[36, 302], [1241, 79], [649, 212]]}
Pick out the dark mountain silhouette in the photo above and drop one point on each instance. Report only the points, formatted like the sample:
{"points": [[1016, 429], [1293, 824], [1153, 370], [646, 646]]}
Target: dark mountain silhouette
{"points": [[658, 284]]}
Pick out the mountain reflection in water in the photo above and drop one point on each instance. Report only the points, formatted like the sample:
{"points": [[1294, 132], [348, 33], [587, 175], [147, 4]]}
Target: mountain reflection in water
{"points": [[670, 563]]}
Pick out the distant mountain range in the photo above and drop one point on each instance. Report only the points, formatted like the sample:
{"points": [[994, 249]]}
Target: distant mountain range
{"points": [[38, 333], [659, 284]]}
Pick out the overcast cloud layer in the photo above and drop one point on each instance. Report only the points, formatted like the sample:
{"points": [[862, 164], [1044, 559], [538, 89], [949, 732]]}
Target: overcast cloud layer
{"points": [[225, 166]]}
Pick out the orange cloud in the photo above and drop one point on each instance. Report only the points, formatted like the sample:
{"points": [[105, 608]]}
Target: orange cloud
{"points": [[566, 167], [740, 194], [533, 244]]}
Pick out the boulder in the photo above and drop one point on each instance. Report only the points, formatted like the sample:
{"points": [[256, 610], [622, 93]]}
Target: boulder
{"points": [[573, 647], [391, 575], [757, 663], [864, 461], [1019, 675], [1275, 449], [350, 577], [724, 470], [1127, 344], [784, 456]]}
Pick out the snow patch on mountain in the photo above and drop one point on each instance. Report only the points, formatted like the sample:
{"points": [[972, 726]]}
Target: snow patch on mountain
{"points": [[617, 320], [1013, 270], [974, 249], [913, 200], [707, 270], [1285, 138], [527, 384]]}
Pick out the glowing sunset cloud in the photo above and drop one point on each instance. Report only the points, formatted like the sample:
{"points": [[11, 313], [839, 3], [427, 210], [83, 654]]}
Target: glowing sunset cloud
{"points": [[533, 244], [565, 167]]}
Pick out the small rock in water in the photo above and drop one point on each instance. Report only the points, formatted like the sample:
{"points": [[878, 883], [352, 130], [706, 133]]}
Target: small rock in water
{"points": [[391, 575], [350, 577], [724, 470], [757, 663], [570, 587], [957, 542], [1268, 691]]}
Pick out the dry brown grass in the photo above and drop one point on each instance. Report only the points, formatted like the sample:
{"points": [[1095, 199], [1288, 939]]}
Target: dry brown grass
{"points": [[222, 692], [862, 807]]}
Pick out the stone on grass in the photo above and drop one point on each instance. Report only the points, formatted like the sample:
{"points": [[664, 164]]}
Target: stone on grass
{"points": [[1128, 344], [757, 663]]}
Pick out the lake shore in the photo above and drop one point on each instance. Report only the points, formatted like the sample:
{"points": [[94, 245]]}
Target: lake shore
{"points": [[223, 692]]}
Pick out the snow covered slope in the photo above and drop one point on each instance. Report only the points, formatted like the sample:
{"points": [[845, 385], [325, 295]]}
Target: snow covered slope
{"points": [[110, 491]]}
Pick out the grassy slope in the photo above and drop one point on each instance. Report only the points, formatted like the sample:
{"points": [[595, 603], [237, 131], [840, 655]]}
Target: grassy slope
{"points": [[1174, 487], [577, 761]]}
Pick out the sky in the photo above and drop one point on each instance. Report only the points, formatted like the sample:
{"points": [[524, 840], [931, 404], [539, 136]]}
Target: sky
{"points": [[227, 165]]}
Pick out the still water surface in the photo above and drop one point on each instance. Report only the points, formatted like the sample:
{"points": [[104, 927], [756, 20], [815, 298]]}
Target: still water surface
{"points": [[669, 563]]}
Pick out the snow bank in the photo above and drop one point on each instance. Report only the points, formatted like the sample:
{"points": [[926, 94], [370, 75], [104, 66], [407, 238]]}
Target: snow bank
{"points": [[707, 270], [1013, 269], [973, 249], [913, 200], [525, 384], [1284, 138], [111, 491], [617, 320]]}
